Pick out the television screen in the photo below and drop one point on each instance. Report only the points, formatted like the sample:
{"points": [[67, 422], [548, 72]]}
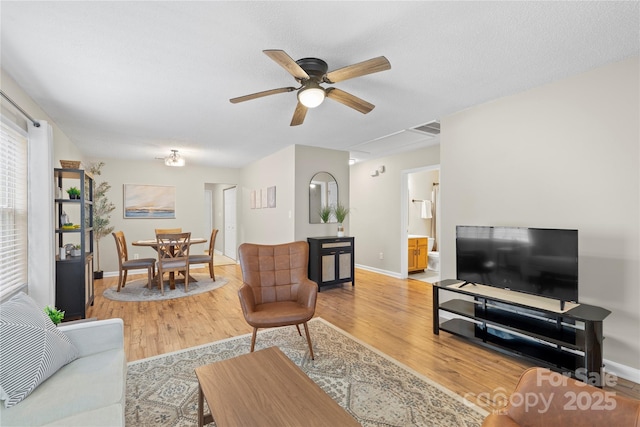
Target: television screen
{"points": [[533, 260]]}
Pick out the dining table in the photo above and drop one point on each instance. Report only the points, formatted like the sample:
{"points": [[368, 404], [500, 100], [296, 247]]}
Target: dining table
{"points": [[153, 243]]}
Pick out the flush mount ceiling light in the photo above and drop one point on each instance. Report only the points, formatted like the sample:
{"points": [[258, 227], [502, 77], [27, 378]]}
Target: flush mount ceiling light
{"points": [[311, 95], [174, 159]]}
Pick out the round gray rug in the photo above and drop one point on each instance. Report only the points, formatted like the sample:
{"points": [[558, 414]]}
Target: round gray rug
{"points": [[136, 290]]}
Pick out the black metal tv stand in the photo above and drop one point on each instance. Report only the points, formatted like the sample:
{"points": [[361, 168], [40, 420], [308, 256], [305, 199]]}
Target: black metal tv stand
{"points": [[568, 341]]}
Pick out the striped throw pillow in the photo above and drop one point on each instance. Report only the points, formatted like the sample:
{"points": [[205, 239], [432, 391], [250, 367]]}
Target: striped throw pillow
{"points": [[31, 348]]}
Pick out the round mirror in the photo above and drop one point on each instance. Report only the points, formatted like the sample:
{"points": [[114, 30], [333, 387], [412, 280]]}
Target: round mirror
{"points": [[323, 195]]}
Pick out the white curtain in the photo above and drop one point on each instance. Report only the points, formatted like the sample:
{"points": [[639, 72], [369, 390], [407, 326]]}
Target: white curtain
{"points": [[41, 239], [435, 197]]}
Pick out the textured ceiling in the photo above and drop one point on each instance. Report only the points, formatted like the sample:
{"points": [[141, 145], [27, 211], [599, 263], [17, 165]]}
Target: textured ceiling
{"points": [[136, 79]]}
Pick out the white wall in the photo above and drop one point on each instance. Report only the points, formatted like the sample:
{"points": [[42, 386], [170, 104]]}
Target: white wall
{"points": [[376, 208], [268, 225], [564, 155], [309, 161], [420, 185], [290, 171]]}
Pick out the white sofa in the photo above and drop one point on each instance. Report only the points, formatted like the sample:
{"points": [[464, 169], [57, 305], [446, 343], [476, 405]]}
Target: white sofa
{"points": [[90, 391]]}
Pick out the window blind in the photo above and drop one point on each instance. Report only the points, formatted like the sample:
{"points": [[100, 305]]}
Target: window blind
{"points": [[13, 209]]}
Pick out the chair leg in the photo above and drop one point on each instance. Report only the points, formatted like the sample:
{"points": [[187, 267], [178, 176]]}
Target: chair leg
{"points": [[161, 281], [211, 272], [298, 328], [124, 278], [253, 339], [186, 281], [306, 331], [149, 278], [119, 280]]}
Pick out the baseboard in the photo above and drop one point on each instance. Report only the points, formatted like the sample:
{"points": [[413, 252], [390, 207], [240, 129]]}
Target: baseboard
{"points": [[377, 270], [622, 371]]}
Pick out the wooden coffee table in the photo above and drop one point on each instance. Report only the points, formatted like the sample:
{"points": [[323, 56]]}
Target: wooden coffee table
{"points": [[265, 388]]}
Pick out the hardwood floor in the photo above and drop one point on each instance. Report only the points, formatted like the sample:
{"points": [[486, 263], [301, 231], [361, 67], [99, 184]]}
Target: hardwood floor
{"points": [[389, 314]]}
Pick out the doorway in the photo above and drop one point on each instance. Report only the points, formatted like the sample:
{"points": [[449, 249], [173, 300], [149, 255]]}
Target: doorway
{"points": [[230, 239], [417, 187]]}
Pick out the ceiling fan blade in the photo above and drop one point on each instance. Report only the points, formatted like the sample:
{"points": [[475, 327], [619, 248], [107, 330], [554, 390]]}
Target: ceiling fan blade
{"points": [[374, 65], [349, 100], [299, 115], [285, 61], [261, 94]]}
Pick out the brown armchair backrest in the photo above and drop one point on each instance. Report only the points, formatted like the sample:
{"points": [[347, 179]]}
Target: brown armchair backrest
{"points": [[274, 271], [546, 398]]}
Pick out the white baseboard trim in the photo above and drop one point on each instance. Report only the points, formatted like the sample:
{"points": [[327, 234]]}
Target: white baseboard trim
{"points": [[377, 270], [622, 371]]}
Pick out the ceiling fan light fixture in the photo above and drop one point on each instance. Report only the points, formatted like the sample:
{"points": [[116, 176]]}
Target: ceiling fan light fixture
{"points": [[174, 159], [311, 95]]}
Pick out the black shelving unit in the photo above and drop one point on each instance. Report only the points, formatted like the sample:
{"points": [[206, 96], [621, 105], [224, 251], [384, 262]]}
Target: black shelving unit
{"points": [[562, 341], [74, 274]]}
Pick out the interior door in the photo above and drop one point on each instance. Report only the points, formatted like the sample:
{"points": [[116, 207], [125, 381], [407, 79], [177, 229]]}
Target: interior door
{"points": [[230, 222], [208, 213]]}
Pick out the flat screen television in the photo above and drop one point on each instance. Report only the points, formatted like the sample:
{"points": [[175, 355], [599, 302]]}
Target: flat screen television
{"points": [[537, 261]]}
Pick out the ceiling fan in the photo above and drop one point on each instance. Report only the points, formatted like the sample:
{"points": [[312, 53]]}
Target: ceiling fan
{"points": [[310, 73]]}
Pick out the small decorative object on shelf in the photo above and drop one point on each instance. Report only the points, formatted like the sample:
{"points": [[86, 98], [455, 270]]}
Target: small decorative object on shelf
{"points": [[74, 193], [54, 314], [70, 164], [340, 211], [76, 251]]}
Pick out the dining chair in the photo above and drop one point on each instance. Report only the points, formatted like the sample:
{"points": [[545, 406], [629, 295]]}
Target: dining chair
{"points": [[168, 230], [173, 255], [206, 258], [276, 290], [125, 264]]}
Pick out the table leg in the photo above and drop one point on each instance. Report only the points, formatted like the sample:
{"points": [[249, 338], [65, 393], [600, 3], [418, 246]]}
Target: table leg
{"points": [[200, 407]]}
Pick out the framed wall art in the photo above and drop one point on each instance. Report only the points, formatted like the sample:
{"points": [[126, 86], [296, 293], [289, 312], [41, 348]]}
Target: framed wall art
{"points": [[149, 201]]}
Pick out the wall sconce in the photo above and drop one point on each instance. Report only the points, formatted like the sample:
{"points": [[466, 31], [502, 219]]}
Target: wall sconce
{"points": [[378, 171]]}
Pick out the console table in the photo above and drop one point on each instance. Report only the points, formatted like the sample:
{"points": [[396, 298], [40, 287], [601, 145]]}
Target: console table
{"points": [[563, 340], [331, 260]]}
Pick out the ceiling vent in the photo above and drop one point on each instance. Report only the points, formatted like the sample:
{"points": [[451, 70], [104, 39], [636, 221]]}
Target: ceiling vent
{"points": [[432, 128]]}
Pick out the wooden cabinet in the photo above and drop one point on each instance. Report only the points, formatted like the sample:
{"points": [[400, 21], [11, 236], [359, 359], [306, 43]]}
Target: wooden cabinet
{"points": [[331, 260], [74, 271], [418, 257]]}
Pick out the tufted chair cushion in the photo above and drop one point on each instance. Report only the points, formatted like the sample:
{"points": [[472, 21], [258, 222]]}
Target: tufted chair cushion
{"points": [[276, 290]]}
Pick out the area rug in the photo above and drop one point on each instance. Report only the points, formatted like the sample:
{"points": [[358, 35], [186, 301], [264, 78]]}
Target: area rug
{"points": [[136, 290], [374, 388]]}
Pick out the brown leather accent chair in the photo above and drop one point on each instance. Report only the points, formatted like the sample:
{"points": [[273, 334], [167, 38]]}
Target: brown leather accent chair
{"points": [[543, 398], [276, 290], [206, 258], [125, 264]]}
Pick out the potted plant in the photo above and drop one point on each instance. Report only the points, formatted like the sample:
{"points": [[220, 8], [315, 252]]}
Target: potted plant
{"points": [[325, 213], [340, 211], [74, 193], [76, 250], [54, 314], [102, 209]]}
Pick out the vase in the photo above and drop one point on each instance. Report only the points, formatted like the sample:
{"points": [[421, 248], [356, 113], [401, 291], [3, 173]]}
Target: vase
{"points": [[340, 230]]}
